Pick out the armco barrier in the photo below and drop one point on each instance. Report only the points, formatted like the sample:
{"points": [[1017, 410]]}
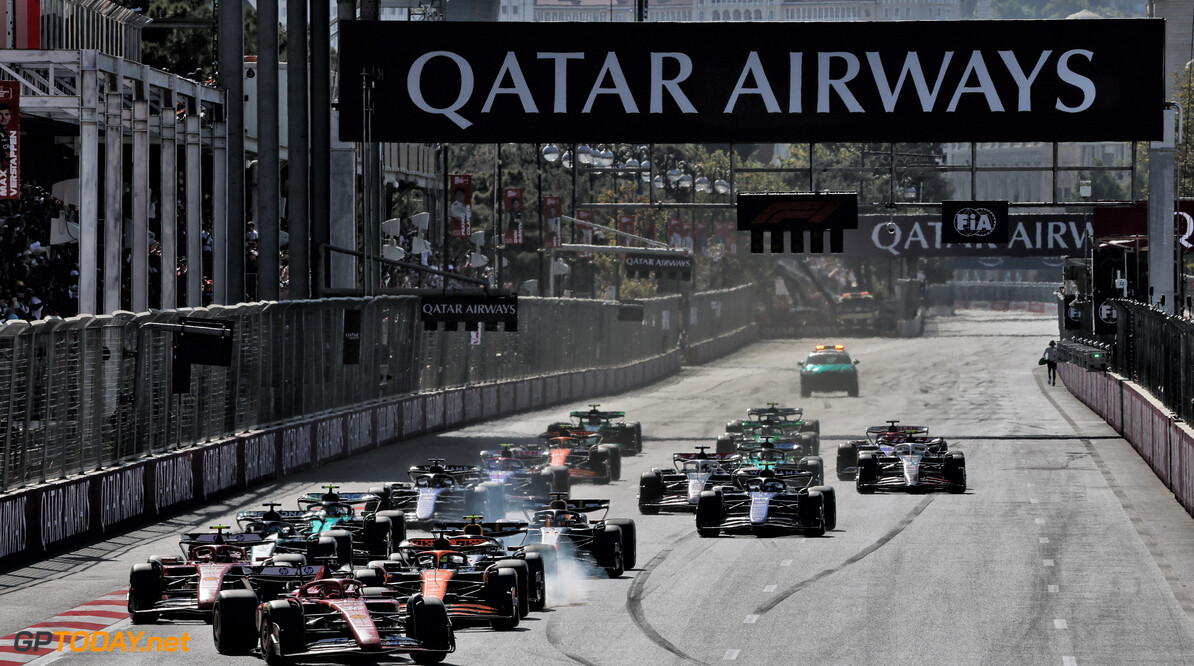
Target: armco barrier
{"points": [[62, 514], [1166, 444]]}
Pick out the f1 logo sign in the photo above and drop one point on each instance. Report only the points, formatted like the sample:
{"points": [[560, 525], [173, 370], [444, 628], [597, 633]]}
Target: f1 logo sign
{"points": [[1189, 231], [791, 214]]}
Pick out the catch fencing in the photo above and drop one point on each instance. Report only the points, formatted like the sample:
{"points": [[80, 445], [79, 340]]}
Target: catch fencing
{"points": [[91, 392], [1036, 297], [1156, 351]]}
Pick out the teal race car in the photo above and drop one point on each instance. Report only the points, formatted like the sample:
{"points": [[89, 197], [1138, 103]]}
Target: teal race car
{"points": [[829, 369], [781, 425]]}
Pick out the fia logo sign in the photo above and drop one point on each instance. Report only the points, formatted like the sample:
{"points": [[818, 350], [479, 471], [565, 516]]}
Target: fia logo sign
{"points": [[975, 222], [1107, 314]]}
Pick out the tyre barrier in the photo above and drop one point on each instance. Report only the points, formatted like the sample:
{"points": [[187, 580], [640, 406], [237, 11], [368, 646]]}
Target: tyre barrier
{"points": [[1165, 444]]}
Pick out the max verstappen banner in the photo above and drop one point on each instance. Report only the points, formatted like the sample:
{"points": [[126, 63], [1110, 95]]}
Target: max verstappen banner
{"points": [[10, 137], [553, 211], [921, 81], [460, 210], [1032, 235], [512, 209]]}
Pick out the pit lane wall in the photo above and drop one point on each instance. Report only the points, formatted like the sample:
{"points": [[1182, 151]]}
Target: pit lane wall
{"points": [[55, 516], [1165, 444]]}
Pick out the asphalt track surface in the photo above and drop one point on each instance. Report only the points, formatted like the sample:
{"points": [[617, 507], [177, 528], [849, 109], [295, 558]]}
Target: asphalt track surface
{"points": [[1065, 550]]}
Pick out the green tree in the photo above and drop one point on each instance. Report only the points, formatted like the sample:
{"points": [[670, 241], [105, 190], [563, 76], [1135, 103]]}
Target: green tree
{"points": [[190, 52]]}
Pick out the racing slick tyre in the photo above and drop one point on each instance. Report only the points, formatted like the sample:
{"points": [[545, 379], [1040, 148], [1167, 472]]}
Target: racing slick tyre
{"points": [[829, 499], [734, 426], [852, 389], [609, 551], [614, 454], [377, 538], [233, 625], [955, 472], [145, 591], [343, 539], [384, 494], [397, 526], [809, 444], [548, 553], [495, 501], [709, 514], [287, 619], [369, 576], [650, 493], [600, 465], [629, 541], [375, 591], [816, 465], [805, 392], [725, 444], [868, 472], [321, 548], [811, 425], [638, 436], [847, 457], [812, 514], [501, 592], [287, 560], [561, 479], [427, 622], [522, 572], [538, 583]]}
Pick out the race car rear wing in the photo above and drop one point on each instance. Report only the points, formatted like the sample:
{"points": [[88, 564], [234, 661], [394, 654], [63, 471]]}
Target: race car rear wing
{"points": [[723, 457], [213, 538], [286, 516], [777, 411], [447, 469], [345, 498], [494, 529], [597, 414]]}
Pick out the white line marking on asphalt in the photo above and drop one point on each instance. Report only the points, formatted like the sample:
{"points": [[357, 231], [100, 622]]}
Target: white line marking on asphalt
{"points": [[786, 563], [769, 588], [1069, 661], [1034, 501], [1048, 563], [731, 655], [751, 619], [1059, 624], [1040, 521], [1053, 588], [1044, 539]]}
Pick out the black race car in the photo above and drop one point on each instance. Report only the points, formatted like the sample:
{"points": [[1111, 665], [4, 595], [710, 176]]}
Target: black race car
{"points": [[612, 427], [768, 501], [678, 489]]}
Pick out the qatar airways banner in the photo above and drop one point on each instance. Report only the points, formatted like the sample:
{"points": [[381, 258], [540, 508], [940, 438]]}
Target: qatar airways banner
{"points": [[926, 81], [1029, 235]]}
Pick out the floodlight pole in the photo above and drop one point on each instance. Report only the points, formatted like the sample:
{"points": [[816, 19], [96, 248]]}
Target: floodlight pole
{"points": [[1161, 256]]}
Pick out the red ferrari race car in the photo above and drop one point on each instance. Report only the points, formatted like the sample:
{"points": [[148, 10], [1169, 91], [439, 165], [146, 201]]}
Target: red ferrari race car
{"points": [[329, 619]]}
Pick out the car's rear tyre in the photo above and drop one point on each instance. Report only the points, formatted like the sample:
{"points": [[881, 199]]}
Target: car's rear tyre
{"points": [[650, 493], [321, 548], [288, 560], [561, 479], [609, 551], [397, 526], [629, 540], [829, 500], [288, 618], [955, 472], [145, 591], [501, 592], [343, 539], [233, 625], [805, 392], [816, 466], [847, 457], [614, 455], [495, 500], [538, 584], [383, 503], [523, 574], [725, 444], [549, 555], [734, 426], [638, 437], [852, 389], [709, 514], [369, 576], [812, 514], [868, 471], [428, 623], [377, 538], [811, 425]]}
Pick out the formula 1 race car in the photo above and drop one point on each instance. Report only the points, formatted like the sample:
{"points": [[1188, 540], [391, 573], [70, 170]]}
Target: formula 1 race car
{"points": [[882, 438], [437, 490], [467, 570], [609, 544], [610, 425], [187, 586], [779, 424], [678, 489], [914, 465], [346, 525], [331, 619], [764, 501], [585, 457], [525, 476]]}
